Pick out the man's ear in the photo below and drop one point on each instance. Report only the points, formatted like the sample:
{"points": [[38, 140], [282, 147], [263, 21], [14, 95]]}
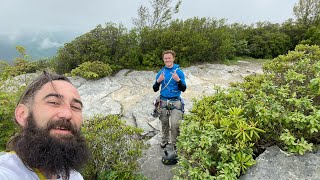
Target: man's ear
{"points": [[21, 114]]}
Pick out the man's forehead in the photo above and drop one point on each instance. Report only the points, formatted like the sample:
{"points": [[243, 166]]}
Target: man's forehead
{"points": [[168, 55], [59, 87]]}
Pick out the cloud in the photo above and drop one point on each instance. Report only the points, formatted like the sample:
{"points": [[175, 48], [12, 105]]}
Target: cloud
{"points": [[11, 37], [81, 16], [47, 44]]}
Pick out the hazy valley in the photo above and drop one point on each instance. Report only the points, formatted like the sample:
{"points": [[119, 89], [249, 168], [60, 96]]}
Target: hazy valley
{"points": [[38, 45]]}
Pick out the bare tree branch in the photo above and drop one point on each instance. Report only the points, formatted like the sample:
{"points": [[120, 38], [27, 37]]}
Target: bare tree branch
{"points": [[307, 12], [161, 16]]}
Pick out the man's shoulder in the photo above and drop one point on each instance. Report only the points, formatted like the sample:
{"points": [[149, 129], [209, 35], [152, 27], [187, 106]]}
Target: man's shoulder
{"points": [[10, 160], [11, 167], [161, 70], [75, 175], [180, 71], [177, 67], [5, 157]]}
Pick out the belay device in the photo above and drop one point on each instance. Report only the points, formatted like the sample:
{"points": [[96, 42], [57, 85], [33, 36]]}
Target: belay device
{"points": [[169, 156]]}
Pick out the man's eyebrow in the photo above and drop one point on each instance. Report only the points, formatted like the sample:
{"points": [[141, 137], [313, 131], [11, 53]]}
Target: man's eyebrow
{"points": [[61, 97], [54, 95], [78, 101]]}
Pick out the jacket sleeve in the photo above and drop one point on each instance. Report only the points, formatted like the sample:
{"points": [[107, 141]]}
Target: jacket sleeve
{"points": [[181, 86], [182, 83], [156, 86]]}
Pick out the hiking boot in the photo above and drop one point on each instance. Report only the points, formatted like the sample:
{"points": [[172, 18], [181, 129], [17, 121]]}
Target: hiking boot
{"points": [[163, 144]]}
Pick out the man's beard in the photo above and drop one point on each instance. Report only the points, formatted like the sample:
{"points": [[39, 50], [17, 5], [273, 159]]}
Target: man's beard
{"points": [[52, 155]]}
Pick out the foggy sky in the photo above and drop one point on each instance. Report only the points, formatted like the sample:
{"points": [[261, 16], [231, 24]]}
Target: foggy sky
{"points": [[81, 16]]}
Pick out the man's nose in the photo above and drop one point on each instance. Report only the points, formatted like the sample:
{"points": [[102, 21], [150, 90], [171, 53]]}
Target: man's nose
{"points": [[65, 112]]}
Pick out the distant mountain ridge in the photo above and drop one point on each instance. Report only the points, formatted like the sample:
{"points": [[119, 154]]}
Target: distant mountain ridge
{"points": [[38, 45]]}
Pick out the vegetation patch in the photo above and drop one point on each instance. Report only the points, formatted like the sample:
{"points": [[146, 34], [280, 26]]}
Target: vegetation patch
{"points": [[92, 70], [115, 149], [226, 131]]}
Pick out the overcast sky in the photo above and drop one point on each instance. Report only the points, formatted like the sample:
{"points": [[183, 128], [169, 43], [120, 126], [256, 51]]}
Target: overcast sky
{"points": [[83, 15]]}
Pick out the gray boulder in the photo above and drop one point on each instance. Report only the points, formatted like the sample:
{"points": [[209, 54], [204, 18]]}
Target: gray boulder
{"points": [[275, 164], [130, 94]]}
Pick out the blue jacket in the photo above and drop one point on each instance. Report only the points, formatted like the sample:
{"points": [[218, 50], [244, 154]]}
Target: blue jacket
{"points": [[169, 87]]}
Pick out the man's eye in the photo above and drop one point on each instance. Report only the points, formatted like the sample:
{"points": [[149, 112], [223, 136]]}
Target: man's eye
{"points": [[77, 107], [54, 102]]}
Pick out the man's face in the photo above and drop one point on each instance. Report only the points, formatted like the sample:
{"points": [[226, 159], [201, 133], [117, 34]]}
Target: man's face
{"points": [[50, 137], [56, 101], [168, 60]]}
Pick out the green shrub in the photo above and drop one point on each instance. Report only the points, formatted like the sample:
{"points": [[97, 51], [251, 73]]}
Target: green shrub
{"points": [[115, 149], [92, 70], [289, 99], [216, 139], [224, 132], [267, 41], [105, 43], [8, 101], [7, 124], [312, 36], [9, 93]]}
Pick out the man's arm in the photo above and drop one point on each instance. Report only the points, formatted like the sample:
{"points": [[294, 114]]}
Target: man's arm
{"points": [[181, 83], [182, 87], [156, 86]]}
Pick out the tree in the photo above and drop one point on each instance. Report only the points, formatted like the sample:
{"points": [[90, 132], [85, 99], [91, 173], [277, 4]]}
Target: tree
{"points": [[307, 12], [162, 14], [141, 21], [100, 44]]}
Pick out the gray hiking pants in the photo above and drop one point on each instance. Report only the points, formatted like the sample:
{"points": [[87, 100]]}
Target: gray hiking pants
{"points": [[175, 116]]}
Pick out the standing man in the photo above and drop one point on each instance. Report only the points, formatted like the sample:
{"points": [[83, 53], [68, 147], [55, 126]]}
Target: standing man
{"points": [[49, 144], [172, 81]]}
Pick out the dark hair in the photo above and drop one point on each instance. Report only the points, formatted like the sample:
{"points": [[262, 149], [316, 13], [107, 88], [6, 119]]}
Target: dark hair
{"points": [[28, 95], [169, 52]]}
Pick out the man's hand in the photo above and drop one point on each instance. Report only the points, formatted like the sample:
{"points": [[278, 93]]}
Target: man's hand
{"points": [[161, 78], [175, 76]]}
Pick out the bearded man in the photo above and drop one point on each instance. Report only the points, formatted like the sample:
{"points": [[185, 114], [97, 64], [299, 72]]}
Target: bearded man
{"points": [[49, 144]]}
